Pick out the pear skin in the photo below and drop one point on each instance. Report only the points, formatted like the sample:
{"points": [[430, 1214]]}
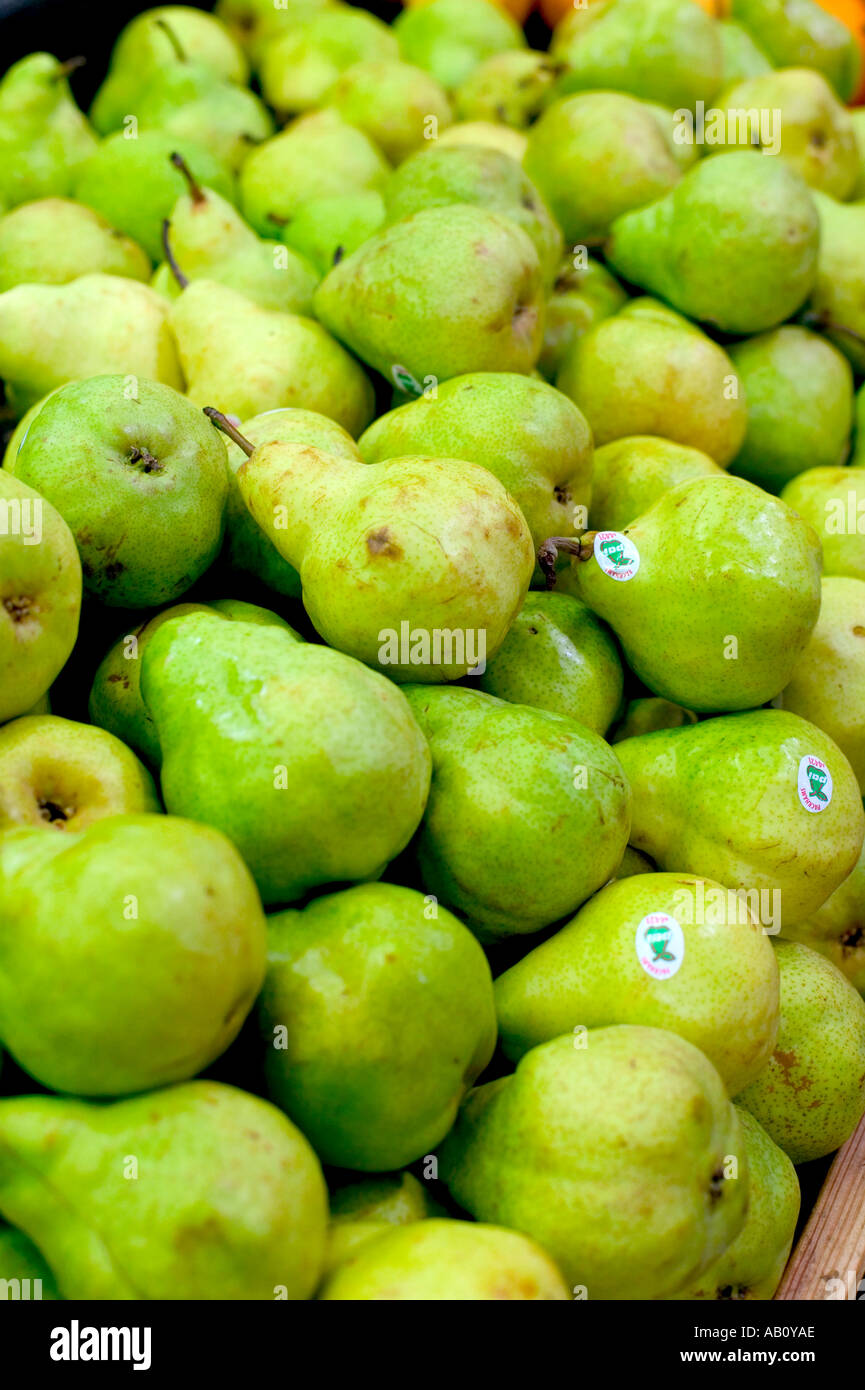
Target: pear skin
{"points": [[832, 500], [630, 474], [54, 240], [837, 929]]}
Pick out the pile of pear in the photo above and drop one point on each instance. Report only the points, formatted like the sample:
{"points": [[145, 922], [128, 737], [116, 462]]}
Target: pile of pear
{"points": [[432, 549]]}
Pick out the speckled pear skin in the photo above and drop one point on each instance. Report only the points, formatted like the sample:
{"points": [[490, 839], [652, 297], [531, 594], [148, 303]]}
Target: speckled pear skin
{"points": [[226, 1199], [94, 937], [311, 763], [630, 474], [372, 975], [734, 245], [447, 1261], [752, 1266], [833, 501], [528, 812], [627, 1120], [720, 799], [646, 714], [19, 1259], [837, 929], [558, 656], [811, 1096], [393, 1198], [723, 998], [435, 543]]}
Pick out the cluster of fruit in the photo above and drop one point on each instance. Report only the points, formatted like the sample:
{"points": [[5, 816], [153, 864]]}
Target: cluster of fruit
{"points": [[511, 398]]}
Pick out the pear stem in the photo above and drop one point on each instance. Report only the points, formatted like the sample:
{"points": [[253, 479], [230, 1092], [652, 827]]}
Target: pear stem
{"points": [[581, 547], [179, 51], [223, 423], [71, 65], [196, 192], [178, 274]]}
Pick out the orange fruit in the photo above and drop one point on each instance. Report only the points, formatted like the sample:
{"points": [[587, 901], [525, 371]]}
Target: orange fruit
{"points": [[851, 13]]}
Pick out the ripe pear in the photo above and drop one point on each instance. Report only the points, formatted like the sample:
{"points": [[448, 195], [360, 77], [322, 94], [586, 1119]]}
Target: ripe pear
{"points": [[837, 929], [528, 812], [254, 23], [584, 292], [227, 1199], [44, 138], [311, 763], [54, 240], [511, 87], [488, 135], [392, 1199], [811, 1096], [447, 291], [742, 56], [586, 1126], [19, 1259], [733, 245], [660, 950], [397, 105], [181, 950], [140, 479], [726, 798], [299, 68], [54, 772], [630, 474], [558, 656], [350, 971], [450, 38], [324, 230], [832, 500], [837, 304], [803, 35], [188, 101], [645, 715], [858, 118], [647, 370], [40, 595]]}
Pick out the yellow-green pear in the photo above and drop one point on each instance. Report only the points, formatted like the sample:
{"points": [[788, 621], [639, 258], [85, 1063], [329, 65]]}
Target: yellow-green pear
{"points": [[55, 240], [833, 501], [630, 474], [837, 929]]}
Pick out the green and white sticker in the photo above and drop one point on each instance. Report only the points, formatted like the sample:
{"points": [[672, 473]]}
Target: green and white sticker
{"points": [[616, 554], [814, 783], [660, 945], [405, 381]]}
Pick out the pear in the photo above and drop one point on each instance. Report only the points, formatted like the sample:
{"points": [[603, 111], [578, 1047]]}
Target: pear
{"points": [[196, 1192], [326, 229], [20, 1261], [468, 285], [579, 1131], [528, 812], [44, 138], [393, 1199], [660, 950], [299, 68], [631, 474], [449, 1261], [189, 102], [727, 633], [647, 370], [254, 23], [319, 156], [140, 479], [733, 245], [837, 929], [54, 240], [799, 392], [858, 459], [40, 595], [833, 501], [732, 799], [181, 950], [488, 135], [751, 1268], [450, 38], [583, 294], [742, 56], [511, 87], [805, 34], [661, 50], [633, 862], [54, 772], [858, 118], [646, 714], [248, 359], [597, 155], [530, 436], [837, 305], [558, 656], [828, 684], [811, 1096], [344, 975], [313, 765], [397, 105]]}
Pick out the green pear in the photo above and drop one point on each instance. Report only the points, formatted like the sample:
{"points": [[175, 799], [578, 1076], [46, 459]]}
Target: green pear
{"points": [[583, 294], [530, 436], [799, 392], [726, 632], [659, 950], [318, 156], [393, 1199], [54, 334], [644, 370], [447, 1261], [416, 565], [828, 684], [837, 929], [832, 500], [752, 1266], [40, 595], [811, 1096], [181, 951], [858, 459], [631, 474], [20, 432], [489, 135], [645, 715], [660, 50], [54, 772], [255, 23], [446, 174], [134, 184], [528, 812], [450, 38], [837, 304], [586, 1126], [469, 289], [732, 799], [44, 138], [189, 102], [742, 57], [511, 87], [324, 230], [802, 33], [23, 1272], [633, 862], [397, 105], [139, 477], [558, 656], [733, 245], [596, 155], [857, 116], [350, 972], [246, 359], [311, 763], [53, 241], [299, 68], [196, 1192]]}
